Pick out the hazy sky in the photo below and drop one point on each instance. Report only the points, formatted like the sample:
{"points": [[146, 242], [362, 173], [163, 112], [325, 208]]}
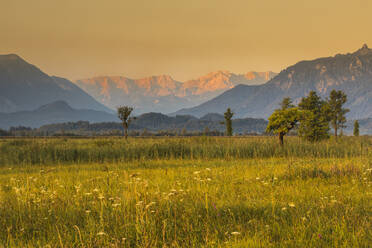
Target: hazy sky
{"points": [[182, 38]]}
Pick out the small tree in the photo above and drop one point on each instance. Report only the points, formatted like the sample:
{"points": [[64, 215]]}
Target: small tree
{"points": [[282, 121], [124, 113], [337, 113], [228, 121], [356, 128], [314, 122]]}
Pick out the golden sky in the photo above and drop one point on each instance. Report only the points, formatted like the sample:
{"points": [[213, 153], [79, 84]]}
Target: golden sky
{"points": [[182, 38]]}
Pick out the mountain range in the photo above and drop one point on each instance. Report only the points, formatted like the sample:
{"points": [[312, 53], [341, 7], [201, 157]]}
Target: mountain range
{"points": [[25, 87], [351, 73], [56, 112], [163, 93]]}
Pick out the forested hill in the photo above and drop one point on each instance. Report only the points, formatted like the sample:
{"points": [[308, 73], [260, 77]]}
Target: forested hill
{"points": [[154, 122]]}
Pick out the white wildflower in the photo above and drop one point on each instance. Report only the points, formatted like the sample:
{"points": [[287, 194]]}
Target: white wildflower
{"points": [[291, 204], [101, 234]]}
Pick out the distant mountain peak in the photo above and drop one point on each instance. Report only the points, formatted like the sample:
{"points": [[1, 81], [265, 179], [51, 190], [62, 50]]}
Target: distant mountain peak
{"points": [[163, 77], [267, 75], [56, 106], [364, 50], [161, 93], [11, 58]]}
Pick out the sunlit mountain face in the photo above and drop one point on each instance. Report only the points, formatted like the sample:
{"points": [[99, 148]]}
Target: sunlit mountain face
{"points": [[163, 93]]}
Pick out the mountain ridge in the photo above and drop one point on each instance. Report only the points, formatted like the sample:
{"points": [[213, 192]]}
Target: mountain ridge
{"points": [[162, 93], [55, 112], [24, 86], [350, 72]]}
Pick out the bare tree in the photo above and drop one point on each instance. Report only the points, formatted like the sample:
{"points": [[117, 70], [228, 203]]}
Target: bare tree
{"points": [[124, 113]]}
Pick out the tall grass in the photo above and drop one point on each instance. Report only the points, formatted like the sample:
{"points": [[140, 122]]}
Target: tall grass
{"points": [[111, 150], [253, 203], [185, 192]]}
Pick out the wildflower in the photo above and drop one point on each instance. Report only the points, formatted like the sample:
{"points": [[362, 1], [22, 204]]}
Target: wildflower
{"points": [[101, 197], [208, 169], [88, 194], [257, 178], [196, 172], [16, 189], [284, 208], [95, 190], [116, 205], [101, 234], [291, 204], [87, 211], [139, 203], [235, 233], [208, 179]]}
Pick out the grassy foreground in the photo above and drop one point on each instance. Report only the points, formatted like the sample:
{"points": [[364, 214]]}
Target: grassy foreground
{"points": [[192, 192]]}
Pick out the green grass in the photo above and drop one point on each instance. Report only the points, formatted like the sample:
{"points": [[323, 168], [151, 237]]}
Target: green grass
{"points": [[192, 192], [117, 150]]}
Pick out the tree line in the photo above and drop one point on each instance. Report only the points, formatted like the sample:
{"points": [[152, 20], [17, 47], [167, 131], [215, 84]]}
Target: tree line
{"points": [[312, 118]]}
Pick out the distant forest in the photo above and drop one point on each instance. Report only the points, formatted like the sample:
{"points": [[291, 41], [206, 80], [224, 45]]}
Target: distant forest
{"points": [[150, 124]]}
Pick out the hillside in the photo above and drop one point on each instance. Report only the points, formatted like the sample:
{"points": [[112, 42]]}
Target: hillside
{"points": [[163, 93], [351, 73], [56, 112], [25, 87]]}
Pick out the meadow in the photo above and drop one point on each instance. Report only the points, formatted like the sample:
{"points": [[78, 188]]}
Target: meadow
{"points": [[185, 192]]}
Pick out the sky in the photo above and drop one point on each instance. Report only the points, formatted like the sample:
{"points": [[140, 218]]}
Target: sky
{"points": [[182, 38]]}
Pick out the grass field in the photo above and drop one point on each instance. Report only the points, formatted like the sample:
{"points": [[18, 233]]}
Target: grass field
{"points": [[185, 192]]}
